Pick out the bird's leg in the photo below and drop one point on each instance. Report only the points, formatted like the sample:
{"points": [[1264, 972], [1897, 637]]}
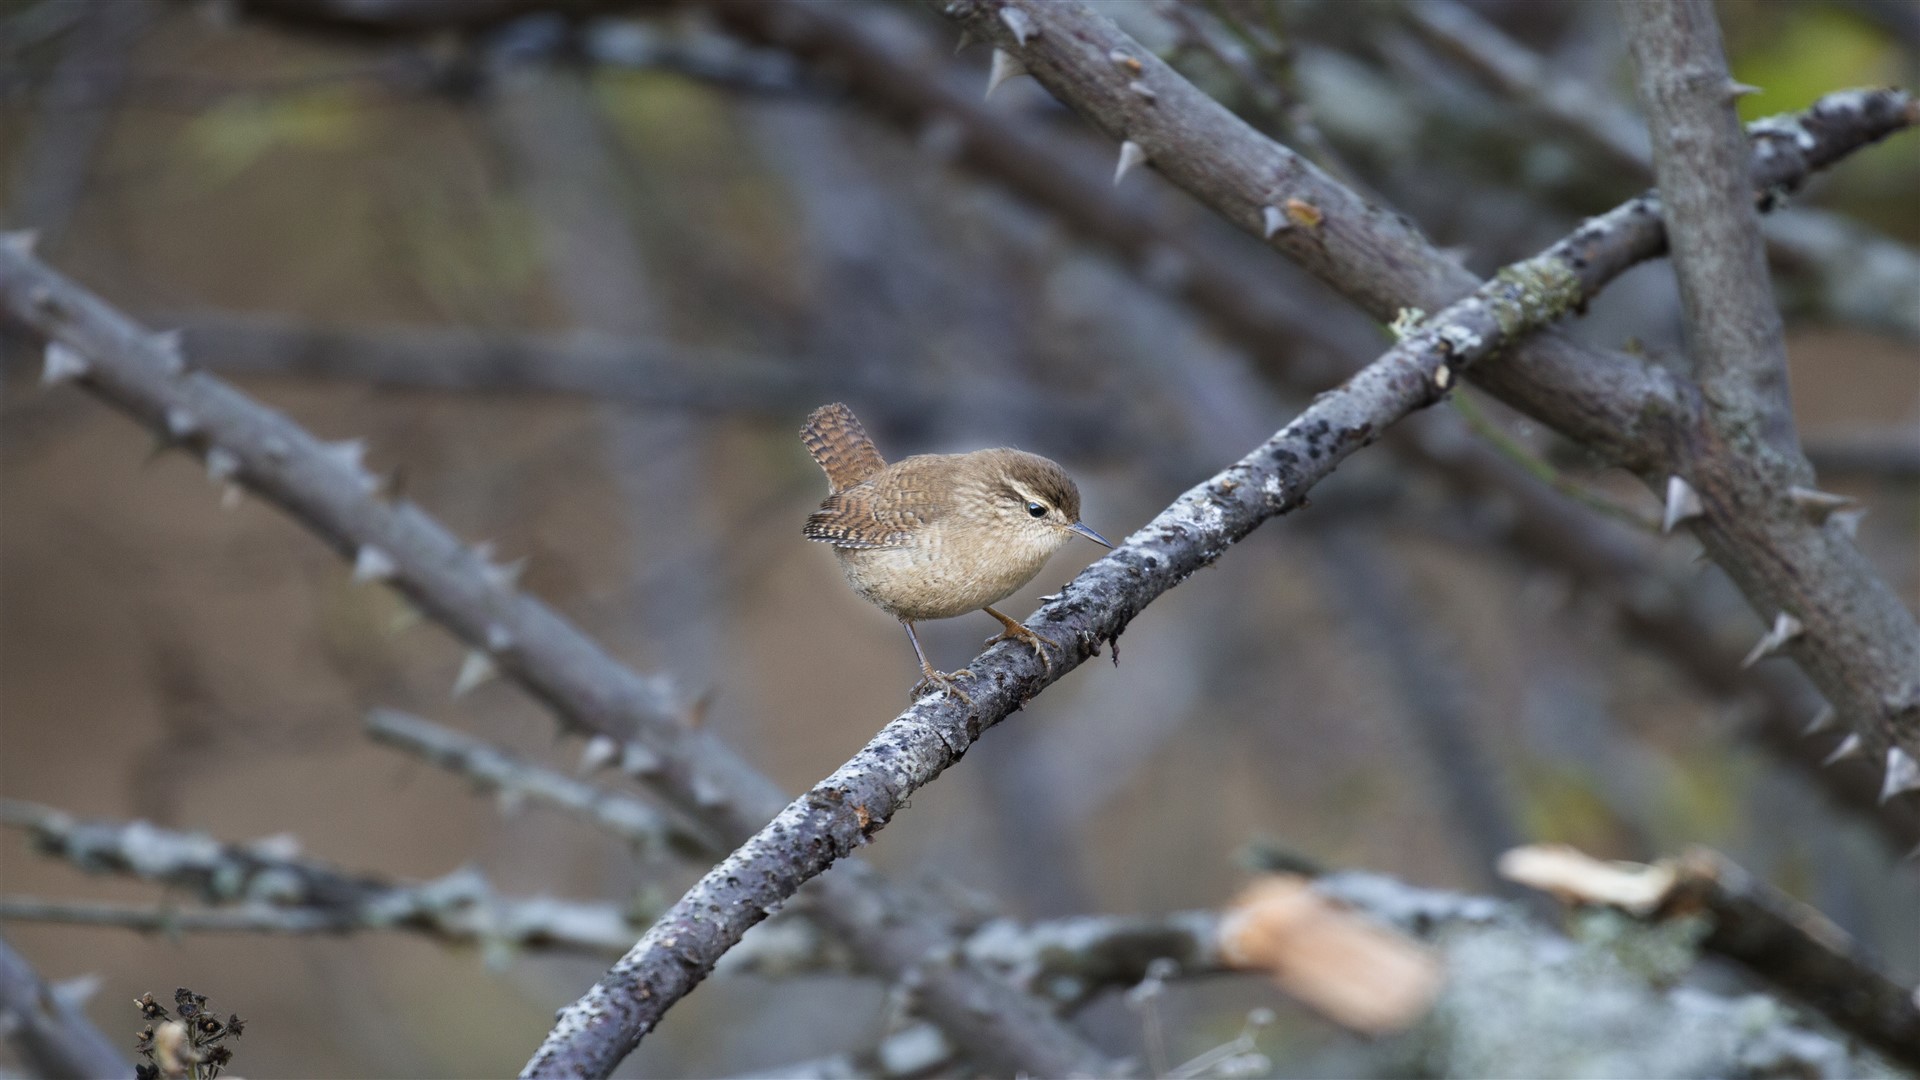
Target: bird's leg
{"points": [[1016, 632], [934, 680]]}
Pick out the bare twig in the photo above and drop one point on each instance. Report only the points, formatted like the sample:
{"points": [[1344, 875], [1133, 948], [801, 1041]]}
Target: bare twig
{"points": [[272, 889], [494, 770], [48, 1029], [1775, 936], [326, 488]]}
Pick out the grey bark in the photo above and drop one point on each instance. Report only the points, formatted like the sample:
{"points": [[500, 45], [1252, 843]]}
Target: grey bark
{"points": [[51, 1033]]}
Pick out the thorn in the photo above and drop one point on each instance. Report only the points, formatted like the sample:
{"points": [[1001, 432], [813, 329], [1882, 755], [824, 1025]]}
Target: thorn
{"points": [[1848, 522], [476, 669], [372, 564], [232, 496], [348, 453], [74, 993], [20, 242], [169, 343], [967, 41], [222, 464], [1819, 505], [599, 753], [181, 423], [505, 576], [1005, 66], [1018, 22], [1903, 774], [638, 760], [1126, 61], [62, 364], [499, 638], [1848, 747], [1821, 721], [1143, 91], [1132, 156], [1273, 222], [1682, 503], [1785, 629], [1737, 90]]}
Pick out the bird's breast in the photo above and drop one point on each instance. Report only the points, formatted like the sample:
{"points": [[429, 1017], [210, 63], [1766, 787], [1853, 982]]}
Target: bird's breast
{"points": [[942, 573]]}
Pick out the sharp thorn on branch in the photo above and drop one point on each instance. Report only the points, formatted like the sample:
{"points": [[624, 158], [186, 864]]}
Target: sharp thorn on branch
{"points": [[1132, 156], [476, 669], [171, 344], [1273, 221], [1005, 66], [600, 752], [222, 464], [1018, 22], [372, 564], [967, 41], [181, 423], [1682, 503], [1849, 747], [1817, 505], [20, 241], [1821, 721], [1785, 629], [1903, 774], [63, 364], [1737, 90], [1143, 91]]}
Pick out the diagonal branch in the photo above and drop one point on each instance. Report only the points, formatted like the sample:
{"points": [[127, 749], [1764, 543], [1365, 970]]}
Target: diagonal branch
{"points": [[326, 488]]}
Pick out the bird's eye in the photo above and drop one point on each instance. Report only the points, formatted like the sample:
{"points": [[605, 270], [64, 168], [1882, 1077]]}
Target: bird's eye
{"points": [[1036, 509]]}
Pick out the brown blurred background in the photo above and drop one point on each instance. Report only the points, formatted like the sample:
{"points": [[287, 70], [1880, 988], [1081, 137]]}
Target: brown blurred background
{"points": [[679, 247]]}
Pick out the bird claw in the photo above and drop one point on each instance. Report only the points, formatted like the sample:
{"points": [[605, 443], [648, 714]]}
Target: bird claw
{"points": [[941, 682], [1016, 632]]}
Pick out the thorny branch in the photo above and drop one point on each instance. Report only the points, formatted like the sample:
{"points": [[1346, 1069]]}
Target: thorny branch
{"points": [[326, 488], [847, 808], [1252, 302], [1779, 542], [48, 1028], [265, 887]]}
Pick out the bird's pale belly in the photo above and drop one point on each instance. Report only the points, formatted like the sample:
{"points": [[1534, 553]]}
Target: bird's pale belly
{"points": [[934, 580]]}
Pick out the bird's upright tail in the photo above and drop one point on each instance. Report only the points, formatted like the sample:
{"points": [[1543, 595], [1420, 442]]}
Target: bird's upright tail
{"points": [[842, 447]]}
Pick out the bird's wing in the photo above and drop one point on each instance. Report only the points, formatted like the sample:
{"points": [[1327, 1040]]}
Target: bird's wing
{"points": [[860, 518], [842, 447]]}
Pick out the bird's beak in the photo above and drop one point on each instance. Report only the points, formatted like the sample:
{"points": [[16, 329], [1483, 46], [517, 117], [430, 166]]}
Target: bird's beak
{"points": [[1078, 527]]}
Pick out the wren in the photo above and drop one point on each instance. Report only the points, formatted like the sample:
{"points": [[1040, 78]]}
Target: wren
{"points": [[938, 535]]}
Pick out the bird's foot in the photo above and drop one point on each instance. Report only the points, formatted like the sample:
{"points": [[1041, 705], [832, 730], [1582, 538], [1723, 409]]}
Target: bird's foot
{"points": [[940, 682], [1016, 632]]}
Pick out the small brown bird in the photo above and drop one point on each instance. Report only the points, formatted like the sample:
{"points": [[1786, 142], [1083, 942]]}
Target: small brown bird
{"points": [[938, 535]]}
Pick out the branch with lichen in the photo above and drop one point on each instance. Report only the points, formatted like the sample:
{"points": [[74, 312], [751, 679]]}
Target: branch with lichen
{"points": [[325, 487], [1733, 915], [267, 887]]}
